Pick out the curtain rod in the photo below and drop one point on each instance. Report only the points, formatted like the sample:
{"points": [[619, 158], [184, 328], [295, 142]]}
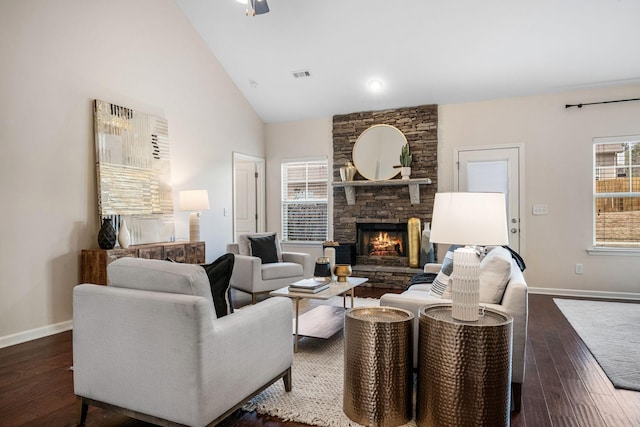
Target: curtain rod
{"points": [[601, 102]]}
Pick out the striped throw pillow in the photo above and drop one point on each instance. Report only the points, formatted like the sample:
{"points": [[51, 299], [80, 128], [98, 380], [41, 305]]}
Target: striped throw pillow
{"points": [[442, 279]]}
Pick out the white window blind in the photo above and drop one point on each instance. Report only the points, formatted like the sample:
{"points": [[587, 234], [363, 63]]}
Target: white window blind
{"points": [[304, 201], [616, 192]]}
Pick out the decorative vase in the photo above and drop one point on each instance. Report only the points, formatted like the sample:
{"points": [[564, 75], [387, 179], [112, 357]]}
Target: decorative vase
{"points": [[124, 237], [322, 271], [342, 271], [413, 231], [405, 171], [107, 235], [348, 172], [426, 247]]}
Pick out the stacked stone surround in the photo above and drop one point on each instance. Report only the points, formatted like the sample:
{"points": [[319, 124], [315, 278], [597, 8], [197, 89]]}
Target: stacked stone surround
{"points": [[385, 204]]}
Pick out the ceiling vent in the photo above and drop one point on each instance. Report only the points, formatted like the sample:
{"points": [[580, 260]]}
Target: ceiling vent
{"points": [[301, 74]]}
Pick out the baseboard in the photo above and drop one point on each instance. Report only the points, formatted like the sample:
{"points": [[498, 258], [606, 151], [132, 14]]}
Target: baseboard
{"points": [[585, 293], [34, 334]]}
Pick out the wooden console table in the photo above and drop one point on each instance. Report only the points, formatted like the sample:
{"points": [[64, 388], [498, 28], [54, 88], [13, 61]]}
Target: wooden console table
{"points": [[94, 262]]}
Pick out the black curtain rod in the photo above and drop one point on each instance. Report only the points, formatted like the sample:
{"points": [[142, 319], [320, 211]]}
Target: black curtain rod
{"points": [[601, 102]]}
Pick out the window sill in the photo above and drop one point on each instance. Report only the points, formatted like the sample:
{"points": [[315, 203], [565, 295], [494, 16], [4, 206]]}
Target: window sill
{"points": [[614, 251]]}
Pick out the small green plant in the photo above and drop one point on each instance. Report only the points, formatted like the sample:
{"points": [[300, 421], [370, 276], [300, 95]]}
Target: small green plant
{"points": [[405, 156]]}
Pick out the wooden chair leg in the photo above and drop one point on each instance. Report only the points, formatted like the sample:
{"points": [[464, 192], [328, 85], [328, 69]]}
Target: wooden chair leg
{"points": [[516, 390], [254, 298], [287, 380], [82, 410]]}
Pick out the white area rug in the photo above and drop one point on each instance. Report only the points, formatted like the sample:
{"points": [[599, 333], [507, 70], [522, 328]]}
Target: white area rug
{"points": [[316, 395], [611, 331]]}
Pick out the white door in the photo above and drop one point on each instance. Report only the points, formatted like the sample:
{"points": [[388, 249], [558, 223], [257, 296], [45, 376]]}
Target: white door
{"points": [[248, 207], [494, 169]]}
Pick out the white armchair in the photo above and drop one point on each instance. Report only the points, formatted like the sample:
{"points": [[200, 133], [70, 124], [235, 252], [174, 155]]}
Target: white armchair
{"points": [[252, 276], [150, 345]]}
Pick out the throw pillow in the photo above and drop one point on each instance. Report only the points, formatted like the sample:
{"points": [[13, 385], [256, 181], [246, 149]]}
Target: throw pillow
{"points": [[441, 281], [219, 273], [264, 248], [244, 245], [495, 271]]}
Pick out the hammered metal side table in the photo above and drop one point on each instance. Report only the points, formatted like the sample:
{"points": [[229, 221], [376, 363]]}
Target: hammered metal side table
{"points": [[378, 362], [464, 369]]}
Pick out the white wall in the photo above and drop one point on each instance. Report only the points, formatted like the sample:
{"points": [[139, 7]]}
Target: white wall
{"points": [[558, 172], [558, 162], [286, 141], [57, 56]]}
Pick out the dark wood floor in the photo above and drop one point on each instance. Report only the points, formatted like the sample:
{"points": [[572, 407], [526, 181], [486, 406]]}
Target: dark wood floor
{"points": [[564, 385]]}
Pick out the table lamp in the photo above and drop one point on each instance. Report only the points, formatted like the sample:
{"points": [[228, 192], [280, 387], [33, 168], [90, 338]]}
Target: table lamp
{"points": [[470, 219], [194, 201]]}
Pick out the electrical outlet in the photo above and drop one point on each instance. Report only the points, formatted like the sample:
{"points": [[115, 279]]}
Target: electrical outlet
{"points": [[226, 212], [579, 269], [540, 210]]}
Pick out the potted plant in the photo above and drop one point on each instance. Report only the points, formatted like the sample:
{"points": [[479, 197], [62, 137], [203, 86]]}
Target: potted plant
{"points": [[405, 161]]}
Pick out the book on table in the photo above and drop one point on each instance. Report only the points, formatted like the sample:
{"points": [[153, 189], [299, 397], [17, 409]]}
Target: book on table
{"points": [[308, 285]]}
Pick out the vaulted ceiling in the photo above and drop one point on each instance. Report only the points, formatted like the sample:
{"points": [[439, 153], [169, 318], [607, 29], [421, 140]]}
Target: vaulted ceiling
{"points": [[423, 51]]}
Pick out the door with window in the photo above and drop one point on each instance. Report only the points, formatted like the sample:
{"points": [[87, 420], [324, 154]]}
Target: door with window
{"points": [[494, 169]]}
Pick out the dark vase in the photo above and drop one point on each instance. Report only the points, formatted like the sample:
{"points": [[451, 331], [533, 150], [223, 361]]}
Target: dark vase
{"points": [[107, 235]]}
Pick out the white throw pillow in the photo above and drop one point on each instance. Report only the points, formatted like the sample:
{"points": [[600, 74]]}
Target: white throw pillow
{"points": [[495, 271]]}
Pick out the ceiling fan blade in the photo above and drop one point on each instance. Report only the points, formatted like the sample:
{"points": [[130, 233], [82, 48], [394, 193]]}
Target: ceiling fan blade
{"points": [[260, 6]]}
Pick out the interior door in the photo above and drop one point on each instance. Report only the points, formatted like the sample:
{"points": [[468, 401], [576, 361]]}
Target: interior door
{"points": [[248, 196], [494, 170]]}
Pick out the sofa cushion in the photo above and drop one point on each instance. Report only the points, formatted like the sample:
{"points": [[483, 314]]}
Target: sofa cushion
{"points": [[495, 270], [219, 273], [244, 245], [441, 281], [160, 276], [264, 247], [281, 270]]}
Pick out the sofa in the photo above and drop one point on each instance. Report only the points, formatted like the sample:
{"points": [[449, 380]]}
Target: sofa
{"points": [[150, 345], [262, 266], [509, 298]]}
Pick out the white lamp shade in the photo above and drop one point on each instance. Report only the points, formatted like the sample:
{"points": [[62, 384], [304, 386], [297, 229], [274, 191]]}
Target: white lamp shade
{"points": [[194, 200], [477, 219]]}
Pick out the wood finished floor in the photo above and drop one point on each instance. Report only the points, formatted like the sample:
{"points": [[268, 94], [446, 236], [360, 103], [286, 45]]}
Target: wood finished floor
{"points": [[564, 384]]}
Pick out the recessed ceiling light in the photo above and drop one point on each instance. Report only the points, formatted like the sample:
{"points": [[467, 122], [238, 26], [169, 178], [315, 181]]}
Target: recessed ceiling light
{"points": [[375, 85]]}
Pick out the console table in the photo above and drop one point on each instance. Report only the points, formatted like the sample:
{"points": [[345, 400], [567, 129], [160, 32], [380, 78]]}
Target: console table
{"points": [[94, 262]]}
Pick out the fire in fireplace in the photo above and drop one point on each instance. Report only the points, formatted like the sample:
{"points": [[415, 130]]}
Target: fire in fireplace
{"points": [[382, 239]]}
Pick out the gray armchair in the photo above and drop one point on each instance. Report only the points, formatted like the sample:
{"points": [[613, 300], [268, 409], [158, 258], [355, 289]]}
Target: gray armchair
{"points": [[250, 275], [149, 345]]}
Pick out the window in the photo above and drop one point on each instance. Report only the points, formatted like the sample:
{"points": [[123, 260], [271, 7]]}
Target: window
{"points": [[304, 201], [616, 191]]}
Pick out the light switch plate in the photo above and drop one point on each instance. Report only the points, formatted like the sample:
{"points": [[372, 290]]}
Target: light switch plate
{"points": [[540, 210]]}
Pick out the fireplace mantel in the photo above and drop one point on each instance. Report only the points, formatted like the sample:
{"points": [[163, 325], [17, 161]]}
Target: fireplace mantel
{"points": [[413, 184]]}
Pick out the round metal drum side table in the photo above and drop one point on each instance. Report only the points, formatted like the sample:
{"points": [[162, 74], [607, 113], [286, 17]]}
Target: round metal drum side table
{"points": [[464, 369], [378, 362]]}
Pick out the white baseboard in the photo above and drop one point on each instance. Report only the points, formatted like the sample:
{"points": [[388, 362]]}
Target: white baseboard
{"points": [[585, 294], [36, 333]]}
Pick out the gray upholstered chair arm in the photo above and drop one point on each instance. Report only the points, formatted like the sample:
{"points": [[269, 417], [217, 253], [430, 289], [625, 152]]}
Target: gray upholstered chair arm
{"points": [[300, 258], [233, 248], [432, 267], [246, 272]]}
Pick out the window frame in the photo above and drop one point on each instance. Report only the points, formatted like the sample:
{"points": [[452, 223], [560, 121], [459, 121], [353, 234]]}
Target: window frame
{"points": [[597, 175], [285, 201]]}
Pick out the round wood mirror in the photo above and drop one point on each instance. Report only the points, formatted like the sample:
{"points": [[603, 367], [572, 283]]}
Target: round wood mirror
{"points": [[377, 151]]}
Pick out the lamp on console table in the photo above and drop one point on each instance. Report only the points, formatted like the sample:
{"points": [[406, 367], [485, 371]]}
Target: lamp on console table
{"points": [[472, 219], [194, 201]]}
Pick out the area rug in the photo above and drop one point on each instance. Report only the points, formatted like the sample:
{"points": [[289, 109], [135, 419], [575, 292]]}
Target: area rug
{"points": [[316, 395], [611, 332]]}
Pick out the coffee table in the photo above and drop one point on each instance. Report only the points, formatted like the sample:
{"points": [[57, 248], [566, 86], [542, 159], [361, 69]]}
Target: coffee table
{"points": [[305, 325]]}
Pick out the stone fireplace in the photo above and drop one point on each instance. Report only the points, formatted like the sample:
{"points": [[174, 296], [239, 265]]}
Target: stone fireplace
{"points": [[384, 209]]}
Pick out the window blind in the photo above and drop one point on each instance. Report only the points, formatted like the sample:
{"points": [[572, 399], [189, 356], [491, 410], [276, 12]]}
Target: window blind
{"points": [[304, 201]]}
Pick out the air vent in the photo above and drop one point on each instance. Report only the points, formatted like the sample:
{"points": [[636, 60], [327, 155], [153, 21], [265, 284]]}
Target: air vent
{"points": [[301, 74]]}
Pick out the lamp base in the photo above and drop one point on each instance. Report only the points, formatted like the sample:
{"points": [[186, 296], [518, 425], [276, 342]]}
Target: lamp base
{"points": [[194, 227], [466, 285]]}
